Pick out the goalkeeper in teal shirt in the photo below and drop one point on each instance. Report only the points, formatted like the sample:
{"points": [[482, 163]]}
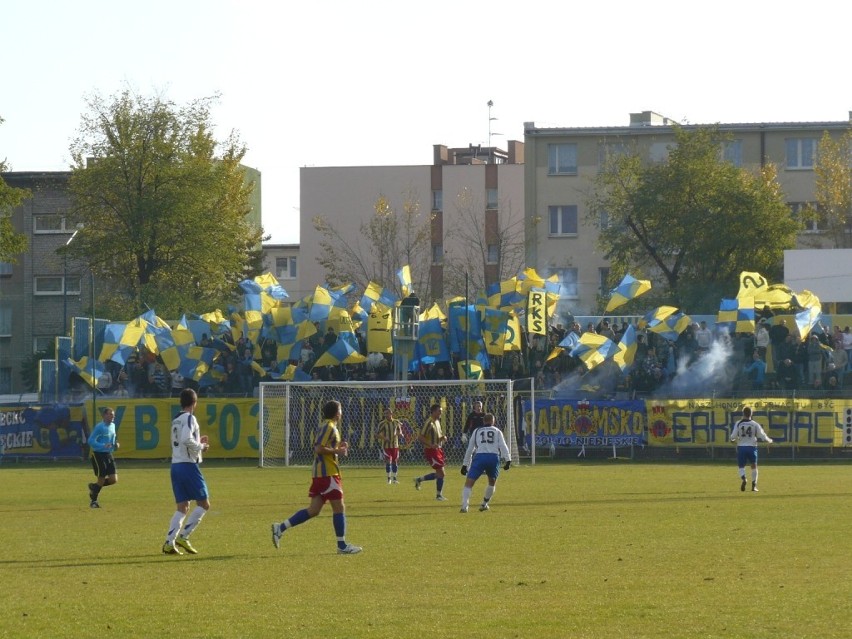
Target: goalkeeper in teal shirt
{"points": [[102, 443]]}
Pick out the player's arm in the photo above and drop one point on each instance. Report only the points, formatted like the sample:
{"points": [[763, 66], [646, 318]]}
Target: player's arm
{"points": [[93, 436], [324, 445], [185, 437], [762, 434], [468, 455], [505, 455]]}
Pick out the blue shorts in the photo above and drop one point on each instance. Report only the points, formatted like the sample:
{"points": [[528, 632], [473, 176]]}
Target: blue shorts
{"points": [[188, 483], [746, 455], [488, 463]]}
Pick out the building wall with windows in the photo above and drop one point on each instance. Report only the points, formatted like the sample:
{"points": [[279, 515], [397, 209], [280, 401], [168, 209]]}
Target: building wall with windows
{"points": [[42, 292], [563, 162], [492, 180], [282, 260], [41, 288]]}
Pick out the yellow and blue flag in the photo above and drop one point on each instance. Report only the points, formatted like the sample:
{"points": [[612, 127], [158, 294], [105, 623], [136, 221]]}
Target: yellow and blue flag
{"points": [[737, 315], [629, 288], [404, 277]]}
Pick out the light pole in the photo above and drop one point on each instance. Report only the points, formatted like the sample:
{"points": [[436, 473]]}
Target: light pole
{"points": [[65, 285]]}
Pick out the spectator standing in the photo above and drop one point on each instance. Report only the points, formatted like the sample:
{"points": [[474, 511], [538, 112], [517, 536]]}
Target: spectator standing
{"points": [[756, 372]]}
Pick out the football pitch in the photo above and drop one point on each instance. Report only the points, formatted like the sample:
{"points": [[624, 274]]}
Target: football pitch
{"points": [[577, 549]]}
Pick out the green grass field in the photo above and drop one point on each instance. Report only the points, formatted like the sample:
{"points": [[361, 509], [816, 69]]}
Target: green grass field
{"points": [[581, 549]]}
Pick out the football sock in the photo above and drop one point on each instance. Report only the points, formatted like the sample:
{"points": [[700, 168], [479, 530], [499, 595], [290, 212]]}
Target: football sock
{"points": [[298, 518], [742, 473], [193, 520], [754, 475], [174, 526], [428, 477], [489, 493], [97, 491], [388, 469], [339, 521], [440, 484], [394, 468], [466, 496]]}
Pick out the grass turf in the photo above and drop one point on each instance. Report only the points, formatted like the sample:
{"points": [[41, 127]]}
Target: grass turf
{"points": [[583, 549]]}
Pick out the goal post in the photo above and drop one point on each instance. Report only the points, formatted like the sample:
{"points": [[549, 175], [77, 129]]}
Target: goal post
{"points": [[290, 412]]}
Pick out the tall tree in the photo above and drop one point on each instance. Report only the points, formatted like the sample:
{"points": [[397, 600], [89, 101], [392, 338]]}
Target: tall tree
{"points": [[692, 221], [163, 205], [388, 241], [833, 189], [11, 242], [481, 253]]}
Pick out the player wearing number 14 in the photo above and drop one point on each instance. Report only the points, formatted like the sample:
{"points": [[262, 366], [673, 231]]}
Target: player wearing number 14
{"points": [[747, 433], [486, 448]]}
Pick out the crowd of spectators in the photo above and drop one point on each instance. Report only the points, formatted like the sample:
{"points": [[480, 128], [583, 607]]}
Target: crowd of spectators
{"points": [[772, 358]]}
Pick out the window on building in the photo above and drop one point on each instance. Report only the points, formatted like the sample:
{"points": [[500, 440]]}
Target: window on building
{"points": [[603, 277], [659, 151], [490, 198], [568, 281], [5, 319], [609, 150], [801, 153], [72, 285], [493, 255], [562, 159], [43, 343], [56, 285], [732, 151], [285, 268], [604, 219], [437, 254], [5, 380], [804, 212], [563, 220], [49, 224], [5, 269], [437, 200]]}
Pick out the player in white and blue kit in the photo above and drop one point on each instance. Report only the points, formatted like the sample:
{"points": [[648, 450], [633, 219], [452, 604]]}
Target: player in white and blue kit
{"points": [[485, 450], [187, 481], [747, 433]]}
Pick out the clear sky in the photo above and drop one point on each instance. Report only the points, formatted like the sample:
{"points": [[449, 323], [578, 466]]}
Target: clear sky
{"points": [[336, 83]]}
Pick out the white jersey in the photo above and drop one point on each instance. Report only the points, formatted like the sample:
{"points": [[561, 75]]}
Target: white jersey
{"points": [[486, 439], [746, 432], [186, 439]]}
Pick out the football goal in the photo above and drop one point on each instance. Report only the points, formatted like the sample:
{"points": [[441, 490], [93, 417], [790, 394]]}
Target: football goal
{"points": [[291, 411]]}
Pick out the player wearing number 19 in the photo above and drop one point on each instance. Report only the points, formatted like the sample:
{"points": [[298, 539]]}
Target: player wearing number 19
{"points": [[485, 450], [747, 433], [326, 485]]}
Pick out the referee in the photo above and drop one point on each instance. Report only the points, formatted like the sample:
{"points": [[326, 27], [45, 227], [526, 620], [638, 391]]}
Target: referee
{"points": [[102, 444]]}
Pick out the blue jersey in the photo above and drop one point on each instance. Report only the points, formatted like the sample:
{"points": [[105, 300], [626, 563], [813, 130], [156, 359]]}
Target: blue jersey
{"points": [[102, 439]]}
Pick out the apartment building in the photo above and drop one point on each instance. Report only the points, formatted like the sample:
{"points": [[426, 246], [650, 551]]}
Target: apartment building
{"points": [[42, 292], [474, 182], [563, 162]]}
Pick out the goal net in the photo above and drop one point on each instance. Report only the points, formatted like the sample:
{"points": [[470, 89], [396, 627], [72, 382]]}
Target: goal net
{"points": [[290, 413]]}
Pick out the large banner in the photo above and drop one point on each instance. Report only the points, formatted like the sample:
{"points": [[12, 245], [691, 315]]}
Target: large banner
{"points": [[684, 423], [42, 430], [568, 422], [142, 426], [704, 422]]}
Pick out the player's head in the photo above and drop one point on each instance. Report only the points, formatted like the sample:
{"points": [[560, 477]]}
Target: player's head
{"points": [[746, 412], [188, 398], [331, 409], [107, 414], [488, 419], [477, 406], [435, 410], [388, 413]]}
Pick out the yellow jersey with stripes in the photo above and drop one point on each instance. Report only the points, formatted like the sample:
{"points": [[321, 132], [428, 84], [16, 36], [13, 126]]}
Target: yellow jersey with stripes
{"points": [[325, 464]]}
